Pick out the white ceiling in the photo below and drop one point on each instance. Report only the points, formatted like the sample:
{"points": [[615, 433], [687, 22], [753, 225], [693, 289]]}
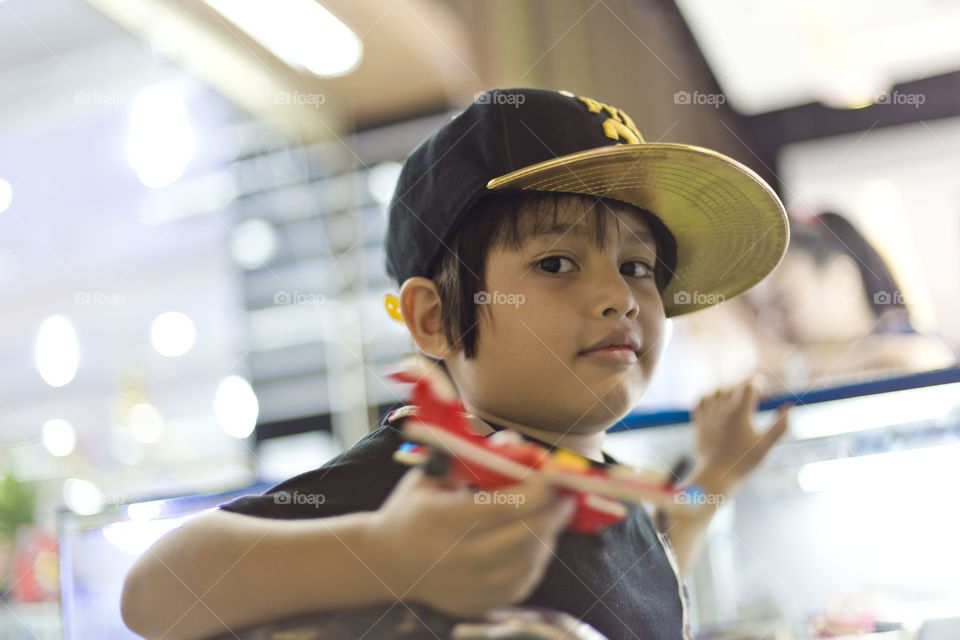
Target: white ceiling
{"points": [[33, 31], [774, 54]]}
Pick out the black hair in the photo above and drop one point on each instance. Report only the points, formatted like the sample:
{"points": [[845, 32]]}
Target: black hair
{"points": [[496, 220], [830, 234]]}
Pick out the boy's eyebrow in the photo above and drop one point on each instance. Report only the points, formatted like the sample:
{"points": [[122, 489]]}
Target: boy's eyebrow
{"points": [[583, 231]]}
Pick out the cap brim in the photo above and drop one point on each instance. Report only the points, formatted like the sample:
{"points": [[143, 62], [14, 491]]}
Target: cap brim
{"points": [[731, 228]]}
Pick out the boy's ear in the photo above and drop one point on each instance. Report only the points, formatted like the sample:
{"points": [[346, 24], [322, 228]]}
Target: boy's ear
{"points": [[420, 308]]}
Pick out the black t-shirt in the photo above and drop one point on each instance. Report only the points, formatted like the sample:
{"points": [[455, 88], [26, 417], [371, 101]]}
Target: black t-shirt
{"points": [[622, 580]]}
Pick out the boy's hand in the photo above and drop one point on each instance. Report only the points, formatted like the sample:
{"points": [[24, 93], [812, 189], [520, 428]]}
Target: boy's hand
{"points": [[728, 447], [459, 553]]}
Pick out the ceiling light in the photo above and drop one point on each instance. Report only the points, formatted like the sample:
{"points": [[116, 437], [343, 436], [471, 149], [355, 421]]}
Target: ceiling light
{"points": [[236, 406], [300, 32], [57, 353], [6, 195], [172, 334], [161, 141], [58, 437]]}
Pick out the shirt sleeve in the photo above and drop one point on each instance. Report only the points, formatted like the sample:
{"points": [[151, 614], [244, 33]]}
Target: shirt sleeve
{"points": [[359, 479]]}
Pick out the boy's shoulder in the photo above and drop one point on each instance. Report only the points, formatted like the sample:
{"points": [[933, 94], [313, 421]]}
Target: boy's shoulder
{"points": [[358, 479]]}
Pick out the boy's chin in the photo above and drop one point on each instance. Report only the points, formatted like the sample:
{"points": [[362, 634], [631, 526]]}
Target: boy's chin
{"points": [[600, 415], [611, 414], [624, 393]]}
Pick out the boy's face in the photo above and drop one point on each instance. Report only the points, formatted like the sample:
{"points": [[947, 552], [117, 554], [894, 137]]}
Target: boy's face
{"points": [[547, 305]]}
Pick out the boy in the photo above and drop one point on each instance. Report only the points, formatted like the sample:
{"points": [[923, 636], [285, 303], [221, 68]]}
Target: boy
{"points": [[539, 244]]}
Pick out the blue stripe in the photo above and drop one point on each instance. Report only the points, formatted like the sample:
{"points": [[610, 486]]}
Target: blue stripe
{"points": [[913, 381]]}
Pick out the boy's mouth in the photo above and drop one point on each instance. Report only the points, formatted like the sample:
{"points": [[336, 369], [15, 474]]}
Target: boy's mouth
{"points": [[618, 347]]}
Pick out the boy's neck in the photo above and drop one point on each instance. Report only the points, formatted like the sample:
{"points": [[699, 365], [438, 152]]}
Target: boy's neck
{"points": [[587, 445]]}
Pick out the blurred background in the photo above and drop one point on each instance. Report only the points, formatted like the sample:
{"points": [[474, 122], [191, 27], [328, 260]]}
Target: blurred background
{"points": [[192, 198]]}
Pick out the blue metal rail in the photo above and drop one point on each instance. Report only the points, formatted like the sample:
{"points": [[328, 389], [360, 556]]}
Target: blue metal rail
{"points": [[853, 390]]}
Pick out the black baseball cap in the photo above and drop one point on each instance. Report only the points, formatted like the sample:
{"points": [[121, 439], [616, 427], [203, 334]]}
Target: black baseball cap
{"points": [[729, 226]]}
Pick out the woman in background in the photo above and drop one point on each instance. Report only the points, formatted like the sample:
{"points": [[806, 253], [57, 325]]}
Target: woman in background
{"points": [[834, 310]]}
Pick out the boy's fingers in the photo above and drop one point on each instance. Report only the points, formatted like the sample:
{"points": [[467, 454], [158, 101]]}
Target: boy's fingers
{"points": [[762, 383], [511, 503], [561, 513], [748, 401], [769, 437], [534, 498], [534, 488], [545, 523], [414, 475]]}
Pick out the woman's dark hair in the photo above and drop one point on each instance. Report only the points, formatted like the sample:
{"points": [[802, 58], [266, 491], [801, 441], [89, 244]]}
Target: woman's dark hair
{"points": [[496, 220], [830, 234]]}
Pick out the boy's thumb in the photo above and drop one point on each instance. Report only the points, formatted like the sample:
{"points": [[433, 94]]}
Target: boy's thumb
{"points": [[417, 477], [779, 426], [560, 514]]}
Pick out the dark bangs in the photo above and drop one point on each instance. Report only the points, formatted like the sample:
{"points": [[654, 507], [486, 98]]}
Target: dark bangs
{"points": [[507, 221]]}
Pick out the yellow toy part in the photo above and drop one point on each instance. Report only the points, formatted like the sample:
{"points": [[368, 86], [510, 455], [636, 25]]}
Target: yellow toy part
{"points": [[392, 305], [564, 459]]}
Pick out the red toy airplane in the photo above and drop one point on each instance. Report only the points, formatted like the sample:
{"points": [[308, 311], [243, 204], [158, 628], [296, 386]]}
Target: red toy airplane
{"points": [[441, 424]]}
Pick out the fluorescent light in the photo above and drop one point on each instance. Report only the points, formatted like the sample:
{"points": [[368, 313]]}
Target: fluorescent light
{"points": [[236, 406], [6, 195], [161, 141], [172, 334], [134, 536], [57, 352], [144, 511], [253, 243], [58, 437], [82, 496], [873, 411], [300, 32], [933, 468]]}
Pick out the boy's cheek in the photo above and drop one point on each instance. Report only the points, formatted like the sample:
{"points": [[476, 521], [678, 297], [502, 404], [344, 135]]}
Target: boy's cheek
{"points": [[656, 329]]}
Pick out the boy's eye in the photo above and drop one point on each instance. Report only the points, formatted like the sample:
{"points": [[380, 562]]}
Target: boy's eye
{"points": [[556, 264], [636, 268]]}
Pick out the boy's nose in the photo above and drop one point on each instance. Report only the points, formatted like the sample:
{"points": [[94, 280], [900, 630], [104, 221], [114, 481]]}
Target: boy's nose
{"points": [[613, 295]]}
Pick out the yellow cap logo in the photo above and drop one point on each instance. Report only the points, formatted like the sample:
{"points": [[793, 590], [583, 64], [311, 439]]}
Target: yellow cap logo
{"points": [[618, 125]]}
